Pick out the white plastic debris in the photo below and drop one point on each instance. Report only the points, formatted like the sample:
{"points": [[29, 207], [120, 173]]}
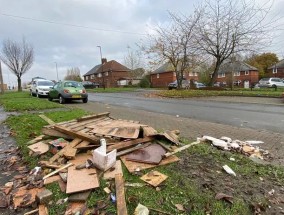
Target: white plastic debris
{"points": [[227, 139], [35, 170], [253, 142], [217, 142], [101, 159], [234, 145], [232, 159], [229, 170], [271, 192], [141, 210]]}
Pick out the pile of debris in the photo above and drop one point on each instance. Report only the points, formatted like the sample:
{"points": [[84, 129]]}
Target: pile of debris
{"points": [[248, 148], [84, 150]]}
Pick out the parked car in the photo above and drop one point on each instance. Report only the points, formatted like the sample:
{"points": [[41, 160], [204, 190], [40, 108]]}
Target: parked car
{"points": [[199, 85], [90, 85], [184, 85], [67, 91], [271, 82], [40, 87]]}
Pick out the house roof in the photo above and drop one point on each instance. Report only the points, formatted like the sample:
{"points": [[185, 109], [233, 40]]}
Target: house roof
{"points": [[236, 66], [93, 70], [108, 66], [280, 64], [167, 67]]}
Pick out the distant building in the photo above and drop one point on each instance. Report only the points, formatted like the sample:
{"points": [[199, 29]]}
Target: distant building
{"points": [[107, 74], [165, 74], [237, 73], [276, 70]]}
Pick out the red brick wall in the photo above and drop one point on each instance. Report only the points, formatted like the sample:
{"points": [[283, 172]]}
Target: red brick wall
{"points": [[163, 80], [279, 74], [111, 79], [252, 77]]}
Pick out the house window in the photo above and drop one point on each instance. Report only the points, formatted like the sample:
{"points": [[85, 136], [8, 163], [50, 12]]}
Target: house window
{"points": [[221, 75], [87, 78], [175, 74], [195, 74], [99, 75], [274, 71], [92, 76], [237, 73], [158, 75], [106, 73], [246, 72], [190, 74]]}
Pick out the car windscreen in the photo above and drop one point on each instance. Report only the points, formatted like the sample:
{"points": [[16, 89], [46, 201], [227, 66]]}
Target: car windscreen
{"points": [[72, 84], [45, 83]]}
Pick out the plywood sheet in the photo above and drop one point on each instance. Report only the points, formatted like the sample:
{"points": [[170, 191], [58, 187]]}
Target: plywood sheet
{"points": [[117, 169], [39, 147], [24, 197], [148, 131], [120, 195], [133, 166], [151, 154], [81, 180], [154, 178], [42, 210]]}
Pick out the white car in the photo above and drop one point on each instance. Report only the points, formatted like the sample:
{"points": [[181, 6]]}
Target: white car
{"points": [[271, 82], [41, 87]]}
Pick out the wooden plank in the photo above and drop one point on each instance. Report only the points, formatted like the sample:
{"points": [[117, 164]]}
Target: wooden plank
{"points": [[74, 143], [62, 185], [117, 169], [126, 151], [70, 153], [120, 195], [78, 134], [88, 122], [38, 138], [126, 144], [83, 144], [45, 118], [51, 179], [56, 171], [94, 116], [154, 178], [42, 210], [48, 165], [81, 180], [165, 146], [133, 166], [181, 149], [148, 131], [49, 131], [39, 148]]}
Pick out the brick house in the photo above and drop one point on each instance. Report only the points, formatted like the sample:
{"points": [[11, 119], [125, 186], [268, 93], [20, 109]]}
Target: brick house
{"points": [[107, 74], [238, 73], [165, 74], [276, 70]]}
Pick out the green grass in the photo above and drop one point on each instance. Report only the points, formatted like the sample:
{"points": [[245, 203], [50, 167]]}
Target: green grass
{"points": [[235, 92], [113, 90], [22, 101]]}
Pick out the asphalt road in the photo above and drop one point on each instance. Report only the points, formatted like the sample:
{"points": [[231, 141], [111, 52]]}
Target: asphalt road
{"points": [[247, 115]]}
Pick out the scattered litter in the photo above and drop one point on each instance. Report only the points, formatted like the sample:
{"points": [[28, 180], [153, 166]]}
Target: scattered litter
{"points": [[141, 210], [179, 207], [154, 178], [232, 159], [253, 142], [113, 198], [133, 184], [271, 192], [229, 170], [107, 190]]}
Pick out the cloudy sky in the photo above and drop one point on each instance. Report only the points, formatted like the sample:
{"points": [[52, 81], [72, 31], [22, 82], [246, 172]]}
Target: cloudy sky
{"points": [[67, 32]]}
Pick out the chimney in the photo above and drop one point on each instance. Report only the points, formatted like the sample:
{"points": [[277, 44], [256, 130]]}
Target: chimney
{"points": [[104, 60]]}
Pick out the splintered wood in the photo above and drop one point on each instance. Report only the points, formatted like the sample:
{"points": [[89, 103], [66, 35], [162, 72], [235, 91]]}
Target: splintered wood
{"points": [[120, 195]]}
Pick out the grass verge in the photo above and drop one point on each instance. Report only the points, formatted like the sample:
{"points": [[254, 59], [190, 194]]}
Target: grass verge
{"points": [[22, 101]]}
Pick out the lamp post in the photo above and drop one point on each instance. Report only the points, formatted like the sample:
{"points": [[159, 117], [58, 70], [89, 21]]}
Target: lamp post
{"points": [[56, 71], [102, 66]]}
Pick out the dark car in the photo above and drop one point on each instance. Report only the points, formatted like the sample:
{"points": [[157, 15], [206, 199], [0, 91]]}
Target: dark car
{"points": [[90, 85], [67, 91]]}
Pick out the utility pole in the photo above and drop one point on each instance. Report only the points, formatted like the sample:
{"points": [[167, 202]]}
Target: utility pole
{"points": [[1, 79], [56, 70], [102, 67]]}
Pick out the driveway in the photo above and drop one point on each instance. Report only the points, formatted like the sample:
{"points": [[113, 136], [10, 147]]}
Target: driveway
{"points": [[191, 128]]}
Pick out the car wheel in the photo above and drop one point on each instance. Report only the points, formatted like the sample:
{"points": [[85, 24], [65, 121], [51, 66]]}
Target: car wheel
{"points": [[37, 95], [61, 100], [85, 100]]}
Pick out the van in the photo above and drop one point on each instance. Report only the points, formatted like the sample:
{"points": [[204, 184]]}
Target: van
{"points": [[41, 87]]}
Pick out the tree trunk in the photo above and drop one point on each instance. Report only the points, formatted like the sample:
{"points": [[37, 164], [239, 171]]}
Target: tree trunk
{"points": [[215, 73], [19, 84]]}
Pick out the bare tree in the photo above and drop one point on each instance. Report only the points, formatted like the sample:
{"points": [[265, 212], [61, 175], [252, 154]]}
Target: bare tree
{"points": [[231, 26], [73, 74], [18, 57], [174, 44], [133, 61]]}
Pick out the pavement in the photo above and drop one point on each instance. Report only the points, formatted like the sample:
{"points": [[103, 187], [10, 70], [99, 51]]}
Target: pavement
{"points": [[192, 128]]}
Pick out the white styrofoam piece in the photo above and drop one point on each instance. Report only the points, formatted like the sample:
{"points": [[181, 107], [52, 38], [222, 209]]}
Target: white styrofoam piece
{"points": [[101, 159], [229, 170]]}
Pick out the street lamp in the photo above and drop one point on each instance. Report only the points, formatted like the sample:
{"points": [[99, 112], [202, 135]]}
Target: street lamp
{"points": [[56, 71], [102, 66]]}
